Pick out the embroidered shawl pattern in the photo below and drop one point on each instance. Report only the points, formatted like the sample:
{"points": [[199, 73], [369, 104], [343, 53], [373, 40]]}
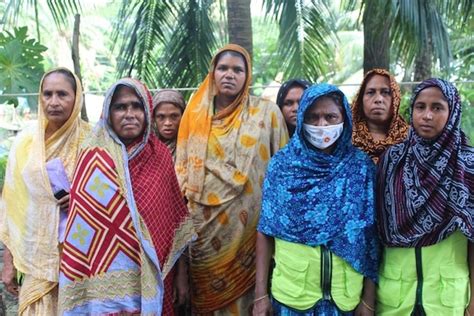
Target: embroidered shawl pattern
{"points": [[128, 223]]}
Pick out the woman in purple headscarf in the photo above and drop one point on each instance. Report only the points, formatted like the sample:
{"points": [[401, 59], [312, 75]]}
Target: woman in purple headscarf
{"points": [[426, 211]]}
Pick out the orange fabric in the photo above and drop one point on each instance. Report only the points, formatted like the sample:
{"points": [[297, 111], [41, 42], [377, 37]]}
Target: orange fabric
{"points": [[361, 136], [221, 163], [200, 109]]}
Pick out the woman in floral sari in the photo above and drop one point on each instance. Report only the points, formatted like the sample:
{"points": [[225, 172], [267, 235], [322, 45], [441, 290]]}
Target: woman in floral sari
{"points": [[30, 215], [225, 141], [128, 223]]}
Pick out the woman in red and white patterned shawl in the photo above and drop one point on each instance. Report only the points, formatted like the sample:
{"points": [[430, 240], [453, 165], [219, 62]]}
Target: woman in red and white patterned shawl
{"points": [[128, 223]]}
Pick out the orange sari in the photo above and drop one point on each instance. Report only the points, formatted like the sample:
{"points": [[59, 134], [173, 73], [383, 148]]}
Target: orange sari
{"points": [[221, 162]]}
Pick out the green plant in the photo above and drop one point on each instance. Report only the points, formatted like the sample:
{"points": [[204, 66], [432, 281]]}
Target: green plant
{"points": [[3, 166], [21, 64]]}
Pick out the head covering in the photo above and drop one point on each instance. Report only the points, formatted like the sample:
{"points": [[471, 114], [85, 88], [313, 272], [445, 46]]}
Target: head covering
{"points": [[221, 162], [287, 86], [141, 180], [169, 96], [173, 97], [190, 155], [425, 188], [397, 130], [314, 198], [29, 216]]}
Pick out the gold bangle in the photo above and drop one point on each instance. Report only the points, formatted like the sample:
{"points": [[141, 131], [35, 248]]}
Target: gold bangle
{"points": [[260, 298], [370, 308]]}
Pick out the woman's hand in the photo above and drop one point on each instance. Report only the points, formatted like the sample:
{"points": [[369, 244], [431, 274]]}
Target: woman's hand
{"points": [[366, 305], [363, 310], [64, 202], [470, 309], [9, 273], [262, 307]]}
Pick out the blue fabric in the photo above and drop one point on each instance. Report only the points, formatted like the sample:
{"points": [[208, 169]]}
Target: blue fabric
{"points": [[322, 308], [314, 198]]}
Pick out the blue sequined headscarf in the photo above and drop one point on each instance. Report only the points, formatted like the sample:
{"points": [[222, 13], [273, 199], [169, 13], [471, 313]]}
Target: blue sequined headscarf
{"points": [[314, 198]]}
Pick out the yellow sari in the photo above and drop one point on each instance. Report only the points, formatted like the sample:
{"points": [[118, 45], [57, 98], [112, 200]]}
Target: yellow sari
{"points": [[221, 162], [29, 215]]}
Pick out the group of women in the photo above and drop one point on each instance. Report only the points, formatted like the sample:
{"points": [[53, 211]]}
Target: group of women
{"points": [[358, 213]]}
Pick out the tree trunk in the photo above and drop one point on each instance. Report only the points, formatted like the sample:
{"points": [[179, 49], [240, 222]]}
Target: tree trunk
{"points": [[76, 60], [239, 22], [424, 61], [377, 20]]}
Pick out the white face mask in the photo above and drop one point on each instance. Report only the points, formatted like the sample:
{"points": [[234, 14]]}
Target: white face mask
{"points": [[322, 136]]}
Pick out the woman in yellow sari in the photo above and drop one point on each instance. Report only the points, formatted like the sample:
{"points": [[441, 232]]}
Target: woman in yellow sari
{"points": [[225, 141], [30, 214]]}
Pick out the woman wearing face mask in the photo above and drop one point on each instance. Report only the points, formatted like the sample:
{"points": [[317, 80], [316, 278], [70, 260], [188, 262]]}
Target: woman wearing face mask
{"points": [[425, 206], [288, 99], [317, 217]]}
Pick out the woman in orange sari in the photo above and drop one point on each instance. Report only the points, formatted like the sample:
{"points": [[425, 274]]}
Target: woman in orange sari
{"points": [[225, 141]]}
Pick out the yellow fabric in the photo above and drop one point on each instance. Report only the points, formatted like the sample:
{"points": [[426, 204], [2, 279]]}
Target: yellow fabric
{"points": [[38, 297], [221, 163], [445, 279], [29, 215], [296, 279]]}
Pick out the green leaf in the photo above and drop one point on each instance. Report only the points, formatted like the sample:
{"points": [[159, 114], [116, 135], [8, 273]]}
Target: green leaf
{"points": [[21, 65]]}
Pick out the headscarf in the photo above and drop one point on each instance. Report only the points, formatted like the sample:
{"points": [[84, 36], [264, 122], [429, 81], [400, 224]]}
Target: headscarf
{"points": [[169, 96], [173, 97], [314, 198], [287, 86], [425, 188], [191, 155], [30, 213], [397, 130], [221, 162], [147, 186]]}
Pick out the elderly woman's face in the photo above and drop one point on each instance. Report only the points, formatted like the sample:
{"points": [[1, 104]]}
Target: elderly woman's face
{"points": [[377, 100], [167, 117], [58, 98], [127, 114], [430, 113], [324, 112], [230, 75]]}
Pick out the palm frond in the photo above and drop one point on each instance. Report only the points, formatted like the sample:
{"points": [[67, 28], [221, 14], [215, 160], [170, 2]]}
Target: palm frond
{"points": [[187, 55], [62, 10], [417, 22], [306, 30], [140, 29]]}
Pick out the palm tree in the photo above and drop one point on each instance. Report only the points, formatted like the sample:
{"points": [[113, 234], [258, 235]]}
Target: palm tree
{"points": [[60, 11], [306, 34], [189, 31], [239, 21], [413, 29]]}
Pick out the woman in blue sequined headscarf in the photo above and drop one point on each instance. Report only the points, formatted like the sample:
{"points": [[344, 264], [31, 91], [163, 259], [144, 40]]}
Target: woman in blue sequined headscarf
{"points": [[318, 217]]}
